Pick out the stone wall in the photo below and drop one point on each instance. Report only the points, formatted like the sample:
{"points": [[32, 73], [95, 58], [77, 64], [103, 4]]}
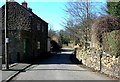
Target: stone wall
{"points": [[109, 64], [17, 21], [40, 34], [25, 29]]}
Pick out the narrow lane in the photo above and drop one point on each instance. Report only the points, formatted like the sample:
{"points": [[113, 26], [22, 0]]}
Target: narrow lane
{"points": [[59, 67]]}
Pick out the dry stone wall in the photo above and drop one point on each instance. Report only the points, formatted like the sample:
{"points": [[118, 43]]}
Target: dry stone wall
{"points": [[109, 64]]}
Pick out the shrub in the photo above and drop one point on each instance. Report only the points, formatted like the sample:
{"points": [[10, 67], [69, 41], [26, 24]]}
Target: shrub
{"points": [[111, 42]]}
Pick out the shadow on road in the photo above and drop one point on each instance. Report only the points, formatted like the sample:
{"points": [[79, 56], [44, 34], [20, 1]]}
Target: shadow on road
{"points": [[63, 56]]}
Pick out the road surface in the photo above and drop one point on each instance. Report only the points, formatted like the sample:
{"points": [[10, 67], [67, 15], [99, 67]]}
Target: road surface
{"points": [[59, 67]]}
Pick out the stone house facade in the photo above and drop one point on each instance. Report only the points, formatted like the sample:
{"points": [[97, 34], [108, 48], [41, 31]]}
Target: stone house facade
{"points": [[27, 33]]}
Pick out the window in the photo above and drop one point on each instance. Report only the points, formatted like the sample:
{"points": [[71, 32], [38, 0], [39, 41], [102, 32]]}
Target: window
{"points": [[38, 26], [42, 28], [38, 45]]}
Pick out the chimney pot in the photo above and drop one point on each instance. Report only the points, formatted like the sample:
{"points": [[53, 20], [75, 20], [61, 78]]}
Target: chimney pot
{"points": [[24, 4]]}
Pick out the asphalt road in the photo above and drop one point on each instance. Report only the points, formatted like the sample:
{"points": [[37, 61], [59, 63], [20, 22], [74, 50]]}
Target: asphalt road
{"points": [[59, 67]]}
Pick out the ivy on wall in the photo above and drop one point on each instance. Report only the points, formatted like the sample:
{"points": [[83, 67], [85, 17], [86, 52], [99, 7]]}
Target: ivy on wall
{"points": [[111, 42]]}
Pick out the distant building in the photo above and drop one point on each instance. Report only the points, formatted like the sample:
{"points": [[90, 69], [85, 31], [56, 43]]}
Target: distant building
{"points": [[28, 33]]}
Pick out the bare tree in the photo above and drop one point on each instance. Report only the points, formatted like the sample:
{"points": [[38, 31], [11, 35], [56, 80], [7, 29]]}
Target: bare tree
{"points": [[80, 17], [79, 12]]}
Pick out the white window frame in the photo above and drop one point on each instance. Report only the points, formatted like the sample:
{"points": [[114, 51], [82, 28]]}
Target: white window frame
{"points": [[38, 45]]}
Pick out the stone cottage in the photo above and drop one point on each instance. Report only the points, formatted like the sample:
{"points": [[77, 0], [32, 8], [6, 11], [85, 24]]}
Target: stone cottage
{"points": [[27, 33]]}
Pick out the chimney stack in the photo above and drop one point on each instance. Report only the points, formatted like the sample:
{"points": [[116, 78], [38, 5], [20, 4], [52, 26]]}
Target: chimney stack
{"points": [[24, 4]]}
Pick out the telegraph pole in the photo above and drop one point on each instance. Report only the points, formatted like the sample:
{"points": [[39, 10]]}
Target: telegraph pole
{"points": [[6, 36], [86, 34]]}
